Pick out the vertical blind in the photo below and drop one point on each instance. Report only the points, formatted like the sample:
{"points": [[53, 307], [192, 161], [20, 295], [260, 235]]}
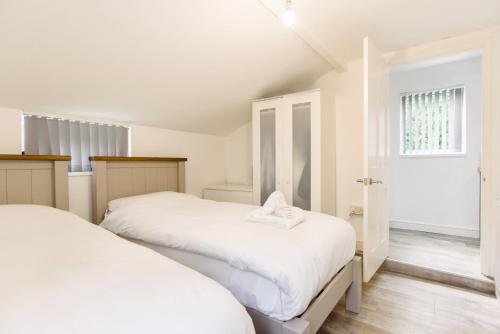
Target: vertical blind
{"points": [[433, 122], [52, 136]]}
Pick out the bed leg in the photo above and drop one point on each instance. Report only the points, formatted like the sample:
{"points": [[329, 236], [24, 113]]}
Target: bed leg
{"points": [[353, 295], [296, 326]]}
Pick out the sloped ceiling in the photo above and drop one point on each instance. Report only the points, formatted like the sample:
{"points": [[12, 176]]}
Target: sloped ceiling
{"points": [[187, 65], [195, 65], [392, 24]]}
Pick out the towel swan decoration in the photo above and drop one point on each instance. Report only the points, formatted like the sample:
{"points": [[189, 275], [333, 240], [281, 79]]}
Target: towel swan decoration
{"points": [[276, 212]]}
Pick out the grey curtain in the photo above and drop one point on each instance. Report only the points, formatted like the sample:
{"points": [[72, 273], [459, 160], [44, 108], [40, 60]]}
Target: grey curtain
{"points": [[50, 136]]}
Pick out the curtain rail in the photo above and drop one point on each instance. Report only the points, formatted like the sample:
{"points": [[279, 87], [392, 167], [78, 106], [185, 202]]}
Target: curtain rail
{"points": [[75, 120], [427, 91]]}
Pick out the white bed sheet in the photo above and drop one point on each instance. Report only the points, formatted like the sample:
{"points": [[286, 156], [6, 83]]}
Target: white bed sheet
{"points": [[300, 261], [60, 274], [251, 289]]}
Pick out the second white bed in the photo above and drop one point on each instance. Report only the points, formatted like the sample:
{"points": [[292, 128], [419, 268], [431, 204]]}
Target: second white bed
{"points": [[277, 272]]}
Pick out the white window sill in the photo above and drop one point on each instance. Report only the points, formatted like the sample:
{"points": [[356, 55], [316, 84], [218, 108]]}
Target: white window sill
{"points": [[73, 174]]}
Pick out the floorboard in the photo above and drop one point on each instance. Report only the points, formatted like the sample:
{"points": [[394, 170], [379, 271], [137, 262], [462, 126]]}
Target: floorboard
{"points": [[447, 253], [396, 304]]}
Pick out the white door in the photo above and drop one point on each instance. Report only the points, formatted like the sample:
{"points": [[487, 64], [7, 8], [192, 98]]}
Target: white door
{"points": [[376, 160], [302, 150]]}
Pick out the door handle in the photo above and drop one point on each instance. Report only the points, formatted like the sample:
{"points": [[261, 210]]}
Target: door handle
{"points": [[368, 181]]}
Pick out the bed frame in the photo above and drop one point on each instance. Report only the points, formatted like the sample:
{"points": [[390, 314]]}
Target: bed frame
{"points": [[116, 177], [34, 179]]}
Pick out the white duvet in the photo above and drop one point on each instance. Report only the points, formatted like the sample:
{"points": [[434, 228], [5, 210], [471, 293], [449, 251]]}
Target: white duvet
{"points": [[300, 260], [60, 274]]}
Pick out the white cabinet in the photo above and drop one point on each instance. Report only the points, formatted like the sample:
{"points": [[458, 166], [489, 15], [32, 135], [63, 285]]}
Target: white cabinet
{"points": [[237, 193], [287, 149]]}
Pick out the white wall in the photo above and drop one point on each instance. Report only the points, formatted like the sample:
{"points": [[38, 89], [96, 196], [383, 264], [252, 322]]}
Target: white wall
{"points": [[349, 142], [80, 194], [439, 194], [206, 163], [10, 131], [327, 85], [238, 151]]}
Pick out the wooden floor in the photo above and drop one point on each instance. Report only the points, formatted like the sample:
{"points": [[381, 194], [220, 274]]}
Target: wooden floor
{"points": [[448, 253], [394, 303]]}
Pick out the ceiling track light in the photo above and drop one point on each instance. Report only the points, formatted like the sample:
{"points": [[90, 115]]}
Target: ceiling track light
{"points": [[289, 15]]}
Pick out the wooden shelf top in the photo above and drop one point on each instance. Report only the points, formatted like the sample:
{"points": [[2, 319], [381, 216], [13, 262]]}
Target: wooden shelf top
{"points": [[104, 158], [35, 157]]}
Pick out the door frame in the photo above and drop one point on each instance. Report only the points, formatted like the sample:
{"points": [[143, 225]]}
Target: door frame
{"points": [[475, 42]]}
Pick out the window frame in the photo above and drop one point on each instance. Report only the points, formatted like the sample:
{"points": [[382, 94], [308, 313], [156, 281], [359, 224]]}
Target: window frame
{"points": [[438, 154]]}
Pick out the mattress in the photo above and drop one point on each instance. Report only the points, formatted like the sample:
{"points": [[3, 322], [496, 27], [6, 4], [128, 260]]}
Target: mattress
{"points": [[61, 274], [299, 262]]}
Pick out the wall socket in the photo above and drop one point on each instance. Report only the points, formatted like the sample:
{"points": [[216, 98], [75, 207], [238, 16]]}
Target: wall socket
{"points": [[355, 210]]}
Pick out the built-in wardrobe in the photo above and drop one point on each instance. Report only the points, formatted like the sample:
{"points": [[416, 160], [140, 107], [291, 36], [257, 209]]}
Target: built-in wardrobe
{"points": [[287, 149]]}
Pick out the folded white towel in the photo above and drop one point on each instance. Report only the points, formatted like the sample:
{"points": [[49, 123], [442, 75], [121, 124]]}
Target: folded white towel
{"points": [[276, 212], [274, 202]]}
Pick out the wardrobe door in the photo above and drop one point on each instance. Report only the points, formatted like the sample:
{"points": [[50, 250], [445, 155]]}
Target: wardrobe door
{"points": [[303, 158], [267, 153], [301, 155], [265, 122]]}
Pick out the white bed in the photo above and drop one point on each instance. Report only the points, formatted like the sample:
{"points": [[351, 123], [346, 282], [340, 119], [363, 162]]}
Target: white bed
{"points": [[61, 274], [290, 281], [277, 272]]}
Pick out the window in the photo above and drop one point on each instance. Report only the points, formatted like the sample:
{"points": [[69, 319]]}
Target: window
{"points": [[53, 136], [433, 122]]}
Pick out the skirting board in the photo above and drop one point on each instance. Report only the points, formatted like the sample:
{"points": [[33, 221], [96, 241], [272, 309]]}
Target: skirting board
{"points": [[434, 228]]}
